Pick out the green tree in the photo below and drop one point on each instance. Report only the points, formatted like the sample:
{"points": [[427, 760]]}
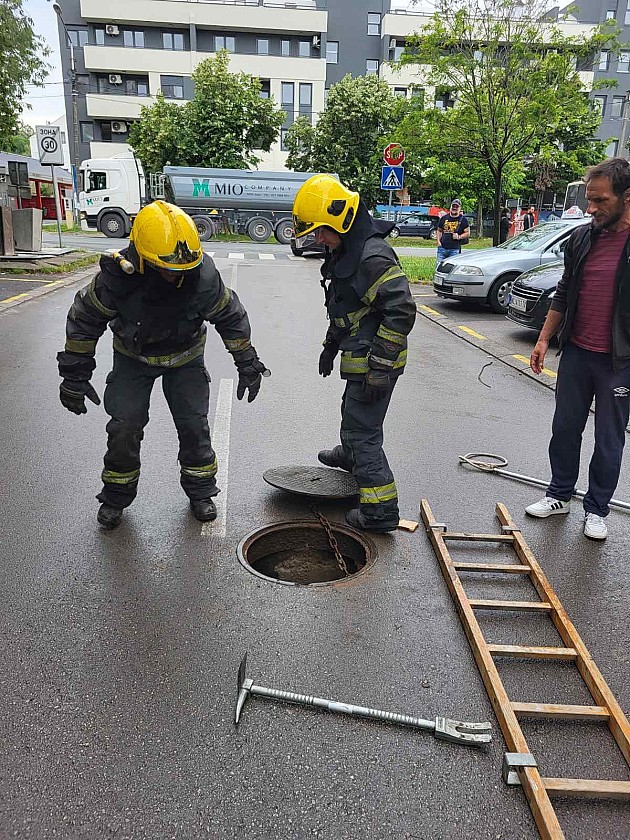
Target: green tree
{"points": [[222, 126], [22, 63], [19, 143], [349, 136], [513, 73]]}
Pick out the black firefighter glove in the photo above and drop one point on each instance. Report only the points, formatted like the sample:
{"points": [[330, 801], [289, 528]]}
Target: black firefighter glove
{"points": [[73, 394], [376, 385], [250, 376], [327, 358]]}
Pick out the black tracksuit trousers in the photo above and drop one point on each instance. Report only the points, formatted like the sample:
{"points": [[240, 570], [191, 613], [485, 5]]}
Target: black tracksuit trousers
{"points": [[126, 400]]}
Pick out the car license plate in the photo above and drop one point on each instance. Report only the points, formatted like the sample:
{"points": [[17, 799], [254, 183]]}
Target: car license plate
{"points": [[437, 280], [518, 303]]}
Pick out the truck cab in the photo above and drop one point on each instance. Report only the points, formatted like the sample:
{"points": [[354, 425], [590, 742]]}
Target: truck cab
{"points": [[112, 193]]}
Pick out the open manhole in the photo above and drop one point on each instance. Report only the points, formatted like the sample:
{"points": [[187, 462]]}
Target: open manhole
{"points": [[299, 553]]}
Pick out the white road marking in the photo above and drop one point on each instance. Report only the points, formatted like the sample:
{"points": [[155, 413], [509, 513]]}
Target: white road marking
{"points": [[221, 446], [234, 277], [266, 257], [293, 257], [210, 253], [234, 256]]}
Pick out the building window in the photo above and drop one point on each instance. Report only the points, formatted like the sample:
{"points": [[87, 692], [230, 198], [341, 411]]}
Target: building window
{"points": [[262, 46], [306, 99], [610, 15], [265, 88], [286, 48], [604, 58], [136, 87], [87, 132], [332, 52], [371, 66], [600, 104], [287, 93], [225, 42], [172, 86], [616, 108], [173, 40], [401, 92], [283, 138], [627, 16], [106, 132], [623, 65], [612, 149], [304, 49], [78, 37], [99, 37], [374, 23], [133, 38], [287, 99], [63, 137]]}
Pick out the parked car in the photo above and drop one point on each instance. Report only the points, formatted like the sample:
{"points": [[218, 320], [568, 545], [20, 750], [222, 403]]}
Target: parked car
{"points": [[306, 245], [416, 225], [532, 293], [487, 275]]}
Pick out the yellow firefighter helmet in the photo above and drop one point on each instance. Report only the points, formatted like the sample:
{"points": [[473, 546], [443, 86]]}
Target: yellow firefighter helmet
{"points": [[166, 237], [323, 201]]}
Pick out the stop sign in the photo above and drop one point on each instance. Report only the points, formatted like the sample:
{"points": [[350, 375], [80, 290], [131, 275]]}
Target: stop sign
{"points": [[394, 154]]}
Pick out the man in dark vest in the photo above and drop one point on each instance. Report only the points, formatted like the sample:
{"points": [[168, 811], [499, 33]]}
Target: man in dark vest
{"points": [[156, 296], [371, 312]]}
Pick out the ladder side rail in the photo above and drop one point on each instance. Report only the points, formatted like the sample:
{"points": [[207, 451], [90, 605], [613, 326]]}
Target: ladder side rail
{"points": [[531, 780]]}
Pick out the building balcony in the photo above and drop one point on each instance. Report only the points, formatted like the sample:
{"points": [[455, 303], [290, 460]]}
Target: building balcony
{"points": [[241, 15], [125, 60], [116, 107]]}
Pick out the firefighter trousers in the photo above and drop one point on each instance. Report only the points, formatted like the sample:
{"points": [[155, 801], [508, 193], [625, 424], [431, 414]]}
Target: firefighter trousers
{"points": [[362, 446], [126, 400]]}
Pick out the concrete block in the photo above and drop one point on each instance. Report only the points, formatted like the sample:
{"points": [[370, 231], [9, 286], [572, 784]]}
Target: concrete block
{"points": [[27, 229]]}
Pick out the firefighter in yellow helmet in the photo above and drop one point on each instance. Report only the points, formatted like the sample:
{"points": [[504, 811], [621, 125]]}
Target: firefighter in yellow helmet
{"points": [[371, 312], [156, 296]]}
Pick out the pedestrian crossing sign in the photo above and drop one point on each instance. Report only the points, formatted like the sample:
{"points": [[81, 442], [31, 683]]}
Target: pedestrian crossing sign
{"points": [[392, 177]]}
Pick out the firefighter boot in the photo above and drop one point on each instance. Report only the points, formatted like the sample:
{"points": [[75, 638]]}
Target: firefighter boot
{"points": [[109, 517], [356, 519], [203, 509], [334, 458]]}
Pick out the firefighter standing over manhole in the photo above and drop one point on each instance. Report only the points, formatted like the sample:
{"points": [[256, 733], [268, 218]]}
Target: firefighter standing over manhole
{"points": [[156, 296], [371, 312]]}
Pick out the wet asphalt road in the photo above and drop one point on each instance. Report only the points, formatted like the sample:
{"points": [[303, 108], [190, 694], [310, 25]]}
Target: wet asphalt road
{"points": [[121, 649]]}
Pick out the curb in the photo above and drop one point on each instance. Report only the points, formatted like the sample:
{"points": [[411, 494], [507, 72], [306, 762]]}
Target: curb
{"points": [[47, 288], [492, 348]]}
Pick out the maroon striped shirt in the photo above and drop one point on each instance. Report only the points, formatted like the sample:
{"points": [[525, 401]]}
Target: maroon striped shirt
{"points": [[592, 327]]}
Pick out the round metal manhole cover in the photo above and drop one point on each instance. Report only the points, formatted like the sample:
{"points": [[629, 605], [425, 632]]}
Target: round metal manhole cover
{"points": [[298, 553], [321, 482]]}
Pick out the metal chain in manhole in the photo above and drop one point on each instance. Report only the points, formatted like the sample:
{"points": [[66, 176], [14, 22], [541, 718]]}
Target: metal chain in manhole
{"points": [[331, 540]]}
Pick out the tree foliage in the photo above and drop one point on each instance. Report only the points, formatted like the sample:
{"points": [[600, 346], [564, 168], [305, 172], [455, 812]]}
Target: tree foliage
{"points": [[19, 143], [22, 63], [513, 73], [222, 126], [349, 136]]}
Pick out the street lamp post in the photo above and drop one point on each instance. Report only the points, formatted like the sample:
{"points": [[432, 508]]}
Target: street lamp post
{"points": [[75, 117]]}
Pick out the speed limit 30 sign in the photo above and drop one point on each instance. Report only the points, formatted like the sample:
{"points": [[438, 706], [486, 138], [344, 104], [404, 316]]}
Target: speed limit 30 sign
{"points": [[49, 145]]}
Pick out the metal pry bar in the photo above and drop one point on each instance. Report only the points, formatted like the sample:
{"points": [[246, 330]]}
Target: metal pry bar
{"points": [[459, 732]]}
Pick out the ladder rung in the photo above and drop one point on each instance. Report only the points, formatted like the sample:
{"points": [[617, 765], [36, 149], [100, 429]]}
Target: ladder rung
{"points": [[499, 538], [535, 606], [508, 568], [599, 788], [559, 710], [524, 652]]}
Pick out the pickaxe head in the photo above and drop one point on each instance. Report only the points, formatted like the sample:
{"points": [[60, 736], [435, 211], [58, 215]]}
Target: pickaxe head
{"points": [[460, 732], [243, 688]]}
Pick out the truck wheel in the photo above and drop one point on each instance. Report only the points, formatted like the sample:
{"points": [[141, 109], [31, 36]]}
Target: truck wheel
{"points": [[284, 232], [259, 230], [112, 225], [499, 293], [205, 227]]}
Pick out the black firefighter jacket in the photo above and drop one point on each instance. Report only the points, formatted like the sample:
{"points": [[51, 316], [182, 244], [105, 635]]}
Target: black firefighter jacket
{"points": [[567, 294], [152, 321], [368, 299]]}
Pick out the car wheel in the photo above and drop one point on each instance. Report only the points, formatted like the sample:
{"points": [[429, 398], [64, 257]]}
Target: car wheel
{"points": [[394, 233], [500, 292], [433, 233]]}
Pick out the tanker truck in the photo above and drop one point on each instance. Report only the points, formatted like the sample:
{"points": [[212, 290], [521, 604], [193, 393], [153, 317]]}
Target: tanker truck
{"points": [[254, 203]]}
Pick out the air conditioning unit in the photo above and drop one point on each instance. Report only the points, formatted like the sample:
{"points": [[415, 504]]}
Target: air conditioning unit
{"points": [[119, 127], [316, 42], [111, 29], [393, 44], [115, 79]]}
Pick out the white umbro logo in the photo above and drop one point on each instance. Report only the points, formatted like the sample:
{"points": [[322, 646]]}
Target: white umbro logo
{"points": [[621, 392]]}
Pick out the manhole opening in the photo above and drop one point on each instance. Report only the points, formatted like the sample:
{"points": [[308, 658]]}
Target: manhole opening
{"points": [[299, 553]]}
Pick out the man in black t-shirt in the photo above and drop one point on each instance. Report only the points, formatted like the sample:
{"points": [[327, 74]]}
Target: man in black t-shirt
{"points": [[453, 227]]}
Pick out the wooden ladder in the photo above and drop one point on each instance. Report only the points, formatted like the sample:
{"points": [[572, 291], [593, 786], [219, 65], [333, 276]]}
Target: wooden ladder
{"points": [[519, 764]]}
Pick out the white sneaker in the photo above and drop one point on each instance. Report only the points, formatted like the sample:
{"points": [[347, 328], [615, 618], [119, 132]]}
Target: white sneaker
{"points": [[595, 526], [547, 507]]}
